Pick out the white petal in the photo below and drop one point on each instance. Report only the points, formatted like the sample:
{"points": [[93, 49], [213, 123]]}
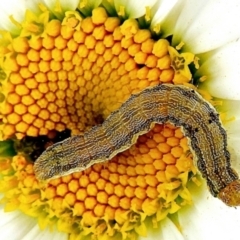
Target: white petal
{"points": [[223, 72], [233, 131], [65, 5], [231, 107], [207, 24], [15, 225], [17, 8], [91, 3], [209, 218], [36, 234], [134, 9], [233, 146], [166, 13], [166, 231], [169, 231]]}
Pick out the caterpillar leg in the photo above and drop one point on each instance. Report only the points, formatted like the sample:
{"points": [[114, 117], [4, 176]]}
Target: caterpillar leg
{"points": [[230, 195]]}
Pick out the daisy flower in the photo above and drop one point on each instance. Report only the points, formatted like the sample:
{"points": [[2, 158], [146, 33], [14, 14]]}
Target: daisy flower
{"points": [[64, 67]]}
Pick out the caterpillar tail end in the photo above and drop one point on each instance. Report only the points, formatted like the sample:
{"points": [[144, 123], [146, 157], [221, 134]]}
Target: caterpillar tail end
{"points": [[230, 195]]}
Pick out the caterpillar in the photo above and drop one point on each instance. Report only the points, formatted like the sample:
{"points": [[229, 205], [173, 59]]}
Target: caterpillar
{"points": [[176, 104]]}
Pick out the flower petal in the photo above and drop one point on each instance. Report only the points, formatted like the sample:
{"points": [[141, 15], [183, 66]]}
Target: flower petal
{"points": [[207, 24], [166, 231], [233, 131], [170, 231], [17, 9], [35, 234], [222, 69], [65, 5], [12, 227], [91, 3], [165, 13], [15, 225], [209, 218], [134, 9]]}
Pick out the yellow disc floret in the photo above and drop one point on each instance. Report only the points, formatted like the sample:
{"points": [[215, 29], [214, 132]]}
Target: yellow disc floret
{"points": [[71, 73], [149, 179], [91, 64]]}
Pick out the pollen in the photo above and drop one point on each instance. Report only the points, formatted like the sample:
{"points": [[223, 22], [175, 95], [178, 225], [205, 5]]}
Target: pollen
{"points": [[70, 73]]}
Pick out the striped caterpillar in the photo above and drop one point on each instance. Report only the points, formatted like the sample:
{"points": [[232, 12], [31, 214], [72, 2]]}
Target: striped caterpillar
{"points": [[178, 105]]}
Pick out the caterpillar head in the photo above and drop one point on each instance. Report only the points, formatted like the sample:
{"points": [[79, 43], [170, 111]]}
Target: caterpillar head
{"points": [[230, 195]]}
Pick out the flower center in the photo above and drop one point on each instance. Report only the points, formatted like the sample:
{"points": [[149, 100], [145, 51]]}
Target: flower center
{"points": [[71, 73]]}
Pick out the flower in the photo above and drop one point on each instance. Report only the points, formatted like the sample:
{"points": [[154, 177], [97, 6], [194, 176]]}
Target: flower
{"points": [[36, 106]]}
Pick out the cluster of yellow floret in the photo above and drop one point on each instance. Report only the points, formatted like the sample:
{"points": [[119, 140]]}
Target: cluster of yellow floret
{"points": [[67, 77], [70, 76], [148, 180]]}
